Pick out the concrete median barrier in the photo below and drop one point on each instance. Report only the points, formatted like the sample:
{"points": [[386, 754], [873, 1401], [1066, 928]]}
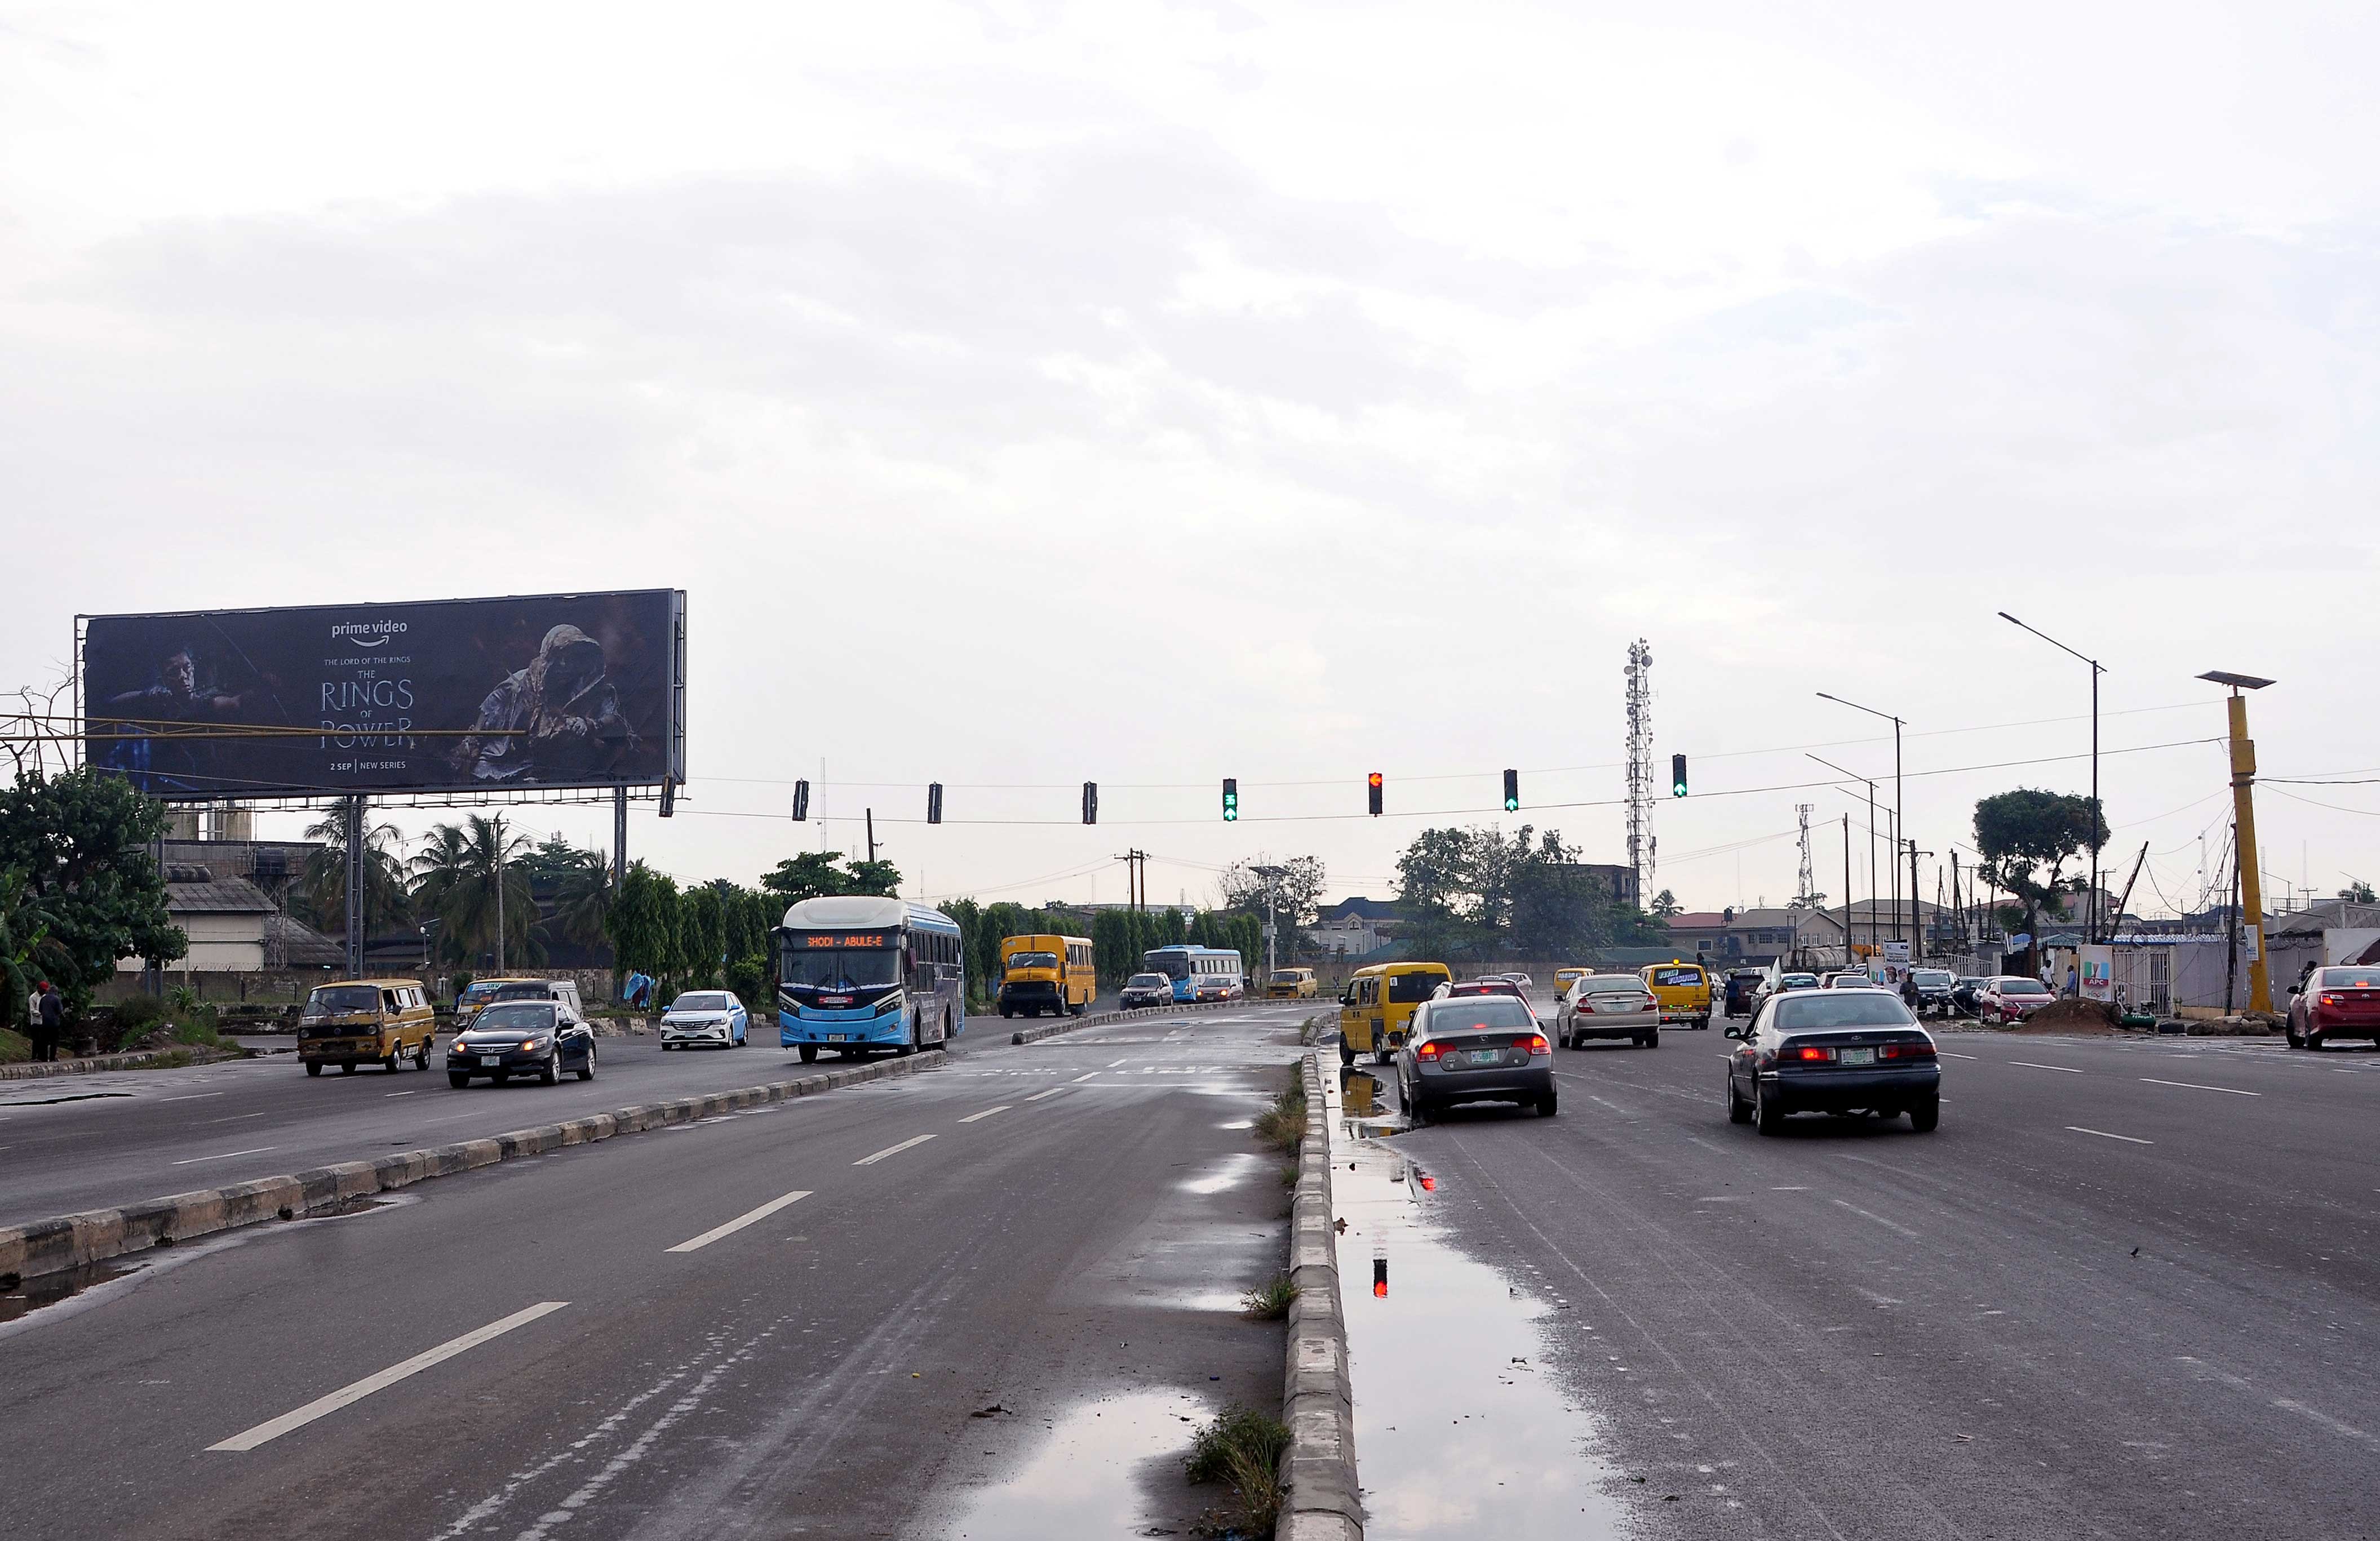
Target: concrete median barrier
{"points": [[65, 1242], [1100, 1019], [1321, 1500]]}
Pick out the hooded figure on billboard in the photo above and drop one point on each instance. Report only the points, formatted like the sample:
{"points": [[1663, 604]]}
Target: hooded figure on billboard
{"points": [[556, 721]]}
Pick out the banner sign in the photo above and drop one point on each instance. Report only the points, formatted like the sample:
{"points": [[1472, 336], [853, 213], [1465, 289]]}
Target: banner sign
{"points": [[555, 690]]}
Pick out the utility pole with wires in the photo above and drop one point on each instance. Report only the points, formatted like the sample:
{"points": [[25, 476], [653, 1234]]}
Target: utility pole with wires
{"points": [[1135, 868], [1272, 876]]}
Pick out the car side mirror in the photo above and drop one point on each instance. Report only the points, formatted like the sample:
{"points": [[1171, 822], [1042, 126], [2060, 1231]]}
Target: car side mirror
{"points": [[1739, 1033], [2297, 989]]}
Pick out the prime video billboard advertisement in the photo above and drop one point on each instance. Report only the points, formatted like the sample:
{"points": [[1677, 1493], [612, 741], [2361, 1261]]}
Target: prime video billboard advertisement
{"points": [[554, 690]]}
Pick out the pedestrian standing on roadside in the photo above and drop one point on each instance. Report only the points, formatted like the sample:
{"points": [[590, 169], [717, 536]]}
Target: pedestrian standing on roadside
{"points": [[33, 1011], [49, 1022]]}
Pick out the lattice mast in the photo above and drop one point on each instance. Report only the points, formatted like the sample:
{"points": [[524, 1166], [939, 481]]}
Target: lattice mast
{"points": [[1809, 879], [1641, 844]]}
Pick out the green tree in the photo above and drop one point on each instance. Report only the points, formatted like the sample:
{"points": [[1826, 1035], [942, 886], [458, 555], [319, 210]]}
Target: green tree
{"points": [[811, 875], [80, 842], [879, 880], [1111, 946], [2027, 837], [2360, 892], [702, 936], [322, 889], [1471, 893], [643, 922], [1664, 904], [457, 878], [582, 895]]}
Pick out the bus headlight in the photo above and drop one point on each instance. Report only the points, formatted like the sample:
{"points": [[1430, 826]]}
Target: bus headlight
{"points": [[890, 1004]]}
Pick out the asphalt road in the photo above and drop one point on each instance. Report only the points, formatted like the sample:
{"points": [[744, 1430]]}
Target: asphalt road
{"points": [[878, 1312], [2129, 1289], [85, 1142]]}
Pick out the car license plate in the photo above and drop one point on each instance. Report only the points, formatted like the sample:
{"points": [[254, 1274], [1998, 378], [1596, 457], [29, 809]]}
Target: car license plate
{"points": [[1487, 1056], [1859, 1056], [835, 1038], [489, 1061]]}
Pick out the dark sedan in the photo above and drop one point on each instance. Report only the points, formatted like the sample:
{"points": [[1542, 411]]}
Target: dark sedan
{"points": [[522, 1037], [1479, 1048], [1842, 1051]]}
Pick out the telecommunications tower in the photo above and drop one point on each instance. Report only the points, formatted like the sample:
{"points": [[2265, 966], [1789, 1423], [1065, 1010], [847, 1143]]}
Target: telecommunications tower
{"points": [[1641, 844], [1809, 877]]}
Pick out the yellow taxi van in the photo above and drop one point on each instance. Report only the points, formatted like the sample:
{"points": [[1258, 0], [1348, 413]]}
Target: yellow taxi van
{"points": [[366, 1021], [1376, 1010]]}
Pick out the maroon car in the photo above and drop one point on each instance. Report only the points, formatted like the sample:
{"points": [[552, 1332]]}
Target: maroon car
{"points": [[2012, 998], [2335, 1003]]}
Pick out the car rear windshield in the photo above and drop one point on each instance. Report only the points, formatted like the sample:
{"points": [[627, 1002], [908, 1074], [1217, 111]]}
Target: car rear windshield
{"points": [[1612, 984], [1411, 990], [1145, 981], [1489, 1012], [1931, 977], [2350, 978], [1798, 981], [344, 997], [1801, 1014], [2023, 986], [514, 1017], [1675, 976], [701, 1000]]}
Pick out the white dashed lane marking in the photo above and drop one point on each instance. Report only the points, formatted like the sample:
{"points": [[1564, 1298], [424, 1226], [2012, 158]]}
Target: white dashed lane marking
{"points": [[2128, 1139], [986, 1113], [194, 1161], [697, 1242], [2062, 1070], [355, 1392], [892, 1150], [1038, 1095], [2193, 1085]]}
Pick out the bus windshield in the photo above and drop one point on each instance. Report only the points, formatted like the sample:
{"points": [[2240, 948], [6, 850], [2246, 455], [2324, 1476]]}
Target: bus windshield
{"points": [[1033, 960], [344, 997], [1173, 966], [842, 968]]}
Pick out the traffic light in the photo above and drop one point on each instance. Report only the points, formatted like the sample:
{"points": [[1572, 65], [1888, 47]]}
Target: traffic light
{"points": [[1230, 800], [1677, 775], [1511, 792], [1090, 802], [934, 802], [801, 802], [1373, 783]]}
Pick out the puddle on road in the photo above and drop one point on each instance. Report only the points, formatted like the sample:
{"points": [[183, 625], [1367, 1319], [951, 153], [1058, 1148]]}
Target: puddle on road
{"points": [[1462, 1427], [1088, 1479], [29, 1295], [62, 1097], [1234, 1171]]}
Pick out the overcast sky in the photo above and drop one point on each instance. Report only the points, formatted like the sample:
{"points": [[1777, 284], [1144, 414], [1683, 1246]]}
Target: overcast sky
{"points": [[1026, 394]]}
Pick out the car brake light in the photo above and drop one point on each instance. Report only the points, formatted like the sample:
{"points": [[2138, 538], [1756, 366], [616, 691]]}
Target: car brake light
{"points": [[1807, 1053], [2328, 999], [1585, 1010], [1425, 1050], [1908, 1051], [1537, 1044]]}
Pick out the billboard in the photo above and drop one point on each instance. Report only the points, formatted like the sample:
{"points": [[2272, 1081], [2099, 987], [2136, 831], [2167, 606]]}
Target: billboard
{"points": [[551, 690]]}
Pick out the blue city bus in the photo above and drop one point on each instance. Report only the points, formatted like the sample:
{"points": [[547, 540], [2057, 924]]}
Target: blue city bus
{"points": [[1199, 973], [858, 975]]}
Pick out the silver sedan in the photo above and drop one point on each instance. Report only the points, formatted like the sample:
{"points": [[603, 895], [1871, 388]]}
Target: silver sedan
{"points": [[1608, 1006]]}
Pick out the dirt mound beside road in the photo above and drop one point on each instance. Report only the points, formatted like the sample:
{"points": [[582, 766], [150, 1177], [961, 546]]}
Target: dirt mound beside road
{"points": [[2069, 1016]]}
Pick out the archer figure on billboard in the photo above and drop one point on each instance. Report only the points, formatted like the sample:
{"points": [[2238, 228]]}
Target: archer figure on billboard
{"points": [[156, 757], [557, 720]]}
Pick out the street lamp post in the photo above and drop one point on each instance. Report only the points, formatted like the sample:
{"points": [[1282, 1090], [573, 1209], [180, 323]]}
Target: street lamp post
{"points": [[1900, 822], [1871, 862], [2244, 851], [2097, 817]]}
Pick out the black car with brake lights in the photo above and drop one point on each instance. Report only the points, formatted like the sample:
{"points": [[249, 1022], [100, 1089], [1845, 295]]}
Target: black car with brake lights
{"points": [[522, 1037], [1841, 1052], [1474, 1049], [1145, 989]]}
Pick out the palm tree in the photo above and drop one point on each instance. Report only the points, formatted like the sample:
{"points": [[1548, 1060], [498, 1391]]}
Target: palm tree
{"points": [[466, 875], [322, 890], [582, 896]]}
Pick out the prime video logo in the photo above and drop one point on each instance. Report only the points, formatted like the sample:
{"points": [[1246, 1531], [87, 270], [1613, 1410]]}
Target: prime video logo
{"points": [[366, 634]]}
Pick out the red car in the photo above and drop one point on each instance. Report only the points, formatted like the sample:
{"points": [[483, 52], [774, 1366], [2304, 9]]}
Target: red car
{"points": [[2012, 998], [2335, 1003]]}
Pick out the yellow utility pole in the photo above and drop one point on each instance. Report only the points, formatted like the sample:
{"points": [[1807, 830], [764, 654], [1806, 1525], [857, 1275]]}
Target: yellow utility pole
{"points": [[2243, 808]]}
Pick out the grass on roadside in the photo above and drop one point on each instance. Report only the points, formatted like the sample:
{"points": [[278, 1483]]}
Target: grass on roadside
{"points": [[1242, 1449], [1283, 1125], [1269, 1301]]}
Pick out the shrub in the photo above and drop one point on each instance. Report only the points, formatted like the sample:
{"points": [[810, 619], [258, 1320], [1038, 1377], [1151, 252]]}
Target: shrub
{"points": [[1269, 1301], [14, 1047], [1244, 1448], [1283, 1125]]}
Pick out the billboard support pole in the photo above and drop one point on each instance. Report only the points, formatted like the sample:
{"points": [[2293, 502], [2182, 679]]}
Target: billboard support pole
{"points": [[355, 907], [619, 838]]}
